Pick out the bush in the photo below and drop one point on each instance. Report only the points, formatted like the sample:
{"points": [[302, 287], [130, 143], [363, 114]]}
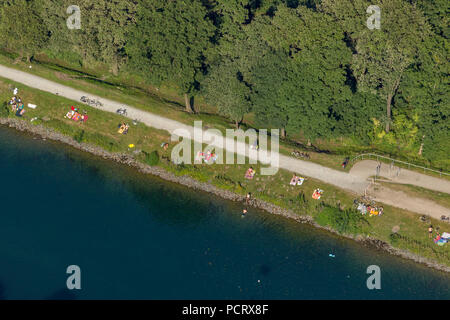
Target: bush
{"points": [[79, 137], [152, 158], [101, 141], [344, 221], [4, 110]]}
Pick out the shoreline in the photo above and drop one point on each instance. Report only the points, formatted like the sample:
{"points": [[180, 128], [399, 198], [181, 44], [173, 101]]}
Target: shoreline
{"points": [[40, 130]]}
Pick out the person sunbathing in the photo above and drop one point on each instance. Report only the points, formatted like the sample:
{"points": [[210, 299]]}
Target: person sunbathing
{"points": [[250, 173], [20, 110], [200, 156], [294, 180], [76, 116], [362, 208], [438, 237], [317, 194], [69, 114], [122, 128]]}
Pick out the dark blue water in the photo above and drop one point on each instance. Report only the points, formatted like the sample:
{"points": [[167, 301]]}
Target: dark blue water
{"points": [[136, 236]]}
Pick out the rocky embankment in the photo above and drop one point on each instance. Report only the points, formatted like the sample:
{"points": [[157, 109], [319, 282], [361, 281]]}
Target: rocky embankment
{"points": [[47, 133]]}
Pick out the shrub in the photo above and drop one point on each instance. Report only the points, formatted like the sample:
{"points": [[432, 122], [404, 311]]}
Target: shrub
{"points": [[102, 141], [79, 137], [4, 110], [347, 221], [151, 158]]}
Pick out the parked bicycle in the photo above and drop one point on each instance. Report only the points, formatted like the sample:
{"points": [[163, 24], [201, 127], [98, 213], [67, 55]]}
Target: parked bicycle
{"points": [[122, 111], [299, 154], [91, 102]]}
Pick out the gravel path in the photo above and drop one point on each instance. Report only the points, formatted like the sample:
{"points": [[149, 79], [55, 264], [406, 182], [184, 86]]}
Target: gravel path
{"points": [[356, 183], [400, 199], [367, 168]]}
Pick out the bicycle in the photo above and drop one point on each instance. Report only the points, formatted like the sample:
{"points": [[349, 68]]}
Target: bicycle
{"points": [[299, 154], [91, 102], [121, 111]]}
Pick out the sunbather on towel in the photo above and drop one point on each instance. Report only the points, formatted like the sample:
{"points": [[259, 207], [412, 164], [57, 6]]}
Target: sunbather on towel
{"points": [[200, 156], [121, 129], [317, 194], [250, 173], [208, 156], [294, 180]]}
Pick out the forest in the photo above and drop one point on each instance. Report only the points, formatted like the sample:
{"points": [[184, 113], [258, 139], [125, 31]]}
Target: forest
{"points": [[309, 67]]}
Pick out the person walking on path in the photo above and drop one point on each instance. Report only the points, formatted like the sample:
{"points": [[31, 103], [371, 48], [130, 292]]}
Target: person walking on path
{"points": [[378, 169]]}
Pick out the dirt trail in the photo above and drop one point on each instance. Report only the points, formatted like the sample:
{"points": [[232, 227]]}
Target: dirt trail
{"points": [[367, 168], [400, 199], [355, 183]]}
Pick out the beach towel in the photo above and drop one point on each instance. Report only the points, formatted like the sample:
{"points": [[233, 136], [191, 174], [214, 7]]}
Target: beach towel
{"points": [[250, 174]]}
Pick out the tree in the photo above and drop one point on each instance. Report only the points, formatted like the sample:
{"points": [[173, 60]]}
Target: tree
{"points": [[268, 76], [169, 41], [225, 88], [382, 56], [21, 28], [424, 92], [305, 77], [436, 12], [103, 33]]}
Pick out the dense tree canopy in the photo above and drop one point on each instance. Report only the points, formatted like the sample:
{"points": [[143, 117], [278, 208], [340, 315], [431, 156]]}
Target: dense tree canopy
{"points": [[169, 40], [102, 37], [21, 27], [311, 68]]}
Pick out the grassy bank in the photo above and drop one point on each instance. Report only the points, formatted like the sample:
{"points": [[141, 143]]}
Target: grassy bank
{"points": [[334, 209], [129, 88]]}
